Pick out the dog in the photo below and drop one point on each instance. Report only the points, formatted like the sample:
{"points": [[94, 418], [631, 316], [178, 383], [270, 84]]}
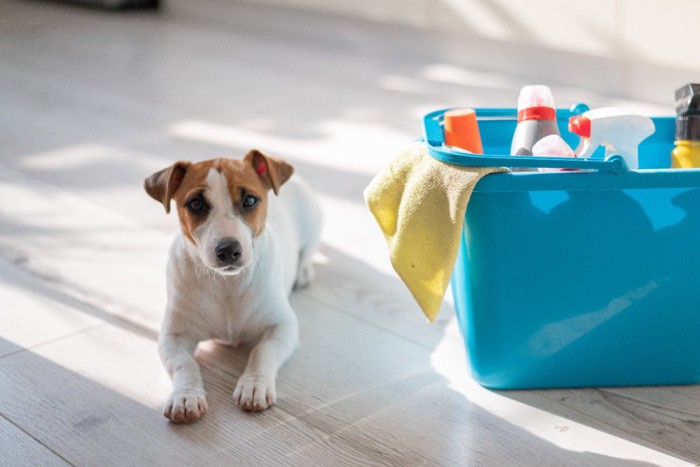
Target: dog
{"points": [[231, 271]]}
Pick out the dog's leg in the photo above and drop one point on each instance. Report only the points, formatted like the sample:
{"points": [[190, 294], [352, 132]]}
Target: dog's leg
{"points": [[188, 401], [305, 273], [310, 240], [256, 386]]}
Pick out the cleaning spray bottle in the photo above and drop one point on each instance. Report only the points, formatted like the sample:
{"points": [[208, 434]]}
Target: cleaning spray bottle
{"points": [[686, 154], [618, 130], [537, 118], [552, 145]]}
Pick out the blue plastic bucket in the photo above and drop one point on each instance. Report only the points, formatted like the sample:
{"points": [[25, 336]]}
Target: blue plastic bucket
{"points": [[571, 279]]}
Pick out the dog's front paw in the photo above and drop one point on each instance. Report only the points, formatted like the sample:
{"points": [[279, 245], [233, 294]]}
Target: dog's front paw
{"points": [[254, 392], [186, 406]]}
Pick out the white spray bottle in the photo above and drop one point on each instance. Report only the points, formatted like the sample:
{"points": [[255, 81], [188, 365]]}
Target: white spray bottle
{"points": [[618, 130]]}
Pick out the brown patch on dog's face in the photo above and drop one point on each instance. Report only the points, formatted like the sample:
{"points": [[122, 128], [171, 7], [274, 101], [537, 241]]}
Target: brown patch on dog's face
{"points": [[221, 199], [193, 188], [246, 192]]}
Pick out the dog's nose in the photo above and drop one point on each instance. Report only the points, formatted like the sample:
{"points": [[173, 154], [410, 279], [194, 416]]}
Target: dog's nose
{"points": [[228, 251]]}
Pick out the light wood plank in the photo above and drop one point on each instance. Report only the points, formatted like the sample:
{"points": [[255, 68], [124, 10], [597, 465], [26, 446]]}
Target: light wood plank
{"points": [[376, 295], [665, 417], [83, 249], [18, 449], [33, 312]]}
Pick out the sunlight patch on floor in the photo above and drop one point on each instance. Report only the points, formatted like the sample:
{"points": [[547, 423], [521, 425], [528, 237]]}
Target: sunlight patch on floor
{"points": [[342, 145], [447, 73]]}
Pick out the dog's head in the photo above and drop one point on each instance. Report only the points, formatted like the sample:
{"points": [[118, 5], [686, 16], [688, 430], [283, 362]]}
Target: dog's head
{"points": [[221, 204]]}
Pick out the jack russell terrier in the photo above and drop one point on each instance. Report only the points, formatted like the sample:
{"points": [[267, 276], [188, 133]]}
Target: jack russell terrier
{"points": [[231, 271]]}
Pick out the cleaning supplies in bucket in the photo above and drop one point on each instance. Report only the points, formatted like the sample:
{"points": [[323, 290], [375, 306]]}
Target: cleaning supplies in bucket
{"points": [[686, 154], [618, 130], [537, 118], [552, 145], [462, 130]]}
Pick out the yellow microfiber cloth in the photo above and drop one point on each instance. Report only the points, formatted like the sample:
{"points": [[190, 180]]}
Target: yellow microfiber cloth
{"points": [[420, 203]]}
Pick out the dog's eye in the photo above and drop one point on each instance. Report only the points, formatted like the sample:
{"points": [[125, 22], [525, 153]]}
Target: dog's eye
{"points": [[196, 205], [249, 201]]}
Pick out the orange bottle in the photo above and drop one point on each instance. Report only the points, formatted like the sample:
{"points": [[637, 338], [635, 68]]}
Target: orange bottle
{"points": [[462, 130]]}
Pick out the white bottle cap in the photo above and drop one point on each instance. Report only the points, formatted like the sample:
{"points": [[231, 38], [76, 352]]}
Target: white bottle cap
{"points": [[552, 145], [536, 95]]}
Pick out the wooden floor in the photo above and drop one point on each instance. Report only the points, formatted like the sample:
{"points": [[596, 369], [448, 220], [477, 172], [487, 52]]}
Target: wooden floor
{"points": [[91, 102]]}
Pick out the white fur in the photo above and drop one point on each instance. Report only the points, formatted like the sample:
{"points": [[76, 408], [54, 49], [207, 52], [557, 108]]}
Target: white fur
{"points": [[251, 304]]}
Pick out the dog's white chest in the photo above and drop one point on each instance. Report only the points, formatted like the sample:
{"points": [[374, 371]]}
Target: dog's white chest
{"points": [[232, 315]]}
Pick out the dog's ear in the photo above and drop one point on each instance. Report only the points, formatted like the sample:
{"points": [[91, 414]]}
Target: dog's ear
{"points": [[274, 172], [162, 185]]}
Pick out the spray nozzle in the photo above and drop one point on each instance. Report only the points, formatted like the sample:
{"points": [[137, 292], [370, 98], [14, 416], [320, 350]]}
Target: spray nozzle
{"points": [[619, 130], [688, 99], [580, 125], [688, 110]]}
